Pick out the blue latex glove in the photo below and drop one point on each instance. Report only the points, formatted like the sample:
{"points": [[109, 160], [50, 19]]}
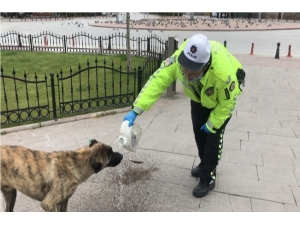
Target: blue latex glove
{"points": [[131, 116], [206, 129]]}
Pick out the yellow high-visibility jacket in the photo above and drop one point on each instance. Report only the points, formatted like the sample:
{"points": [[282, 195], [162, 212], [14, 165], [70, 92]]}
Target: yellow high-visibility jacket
{"points": [[217, 90]]}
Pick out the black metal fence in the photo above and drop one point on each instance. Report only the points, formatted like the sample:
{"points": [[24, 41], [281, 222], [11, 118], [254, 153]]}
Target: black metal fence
{"points": [[95, 87], [28, 98], [81, 43], [92, 88], [21, 99]]}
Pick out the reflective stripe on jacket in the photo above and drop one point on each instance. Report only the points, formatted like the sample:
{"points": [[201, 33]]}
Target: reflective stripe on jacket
{"points": [[217, 90]]}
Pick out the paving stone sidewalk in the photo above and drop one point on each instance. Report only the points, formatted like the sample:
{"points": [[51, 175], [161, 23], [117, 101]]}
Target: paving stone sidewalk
{"points": [[259, 170]]}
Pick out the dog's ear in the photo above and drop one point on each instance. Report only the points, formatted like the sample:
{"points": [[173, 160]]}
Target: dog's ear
{"points": [[92, 142], [96, 166]]}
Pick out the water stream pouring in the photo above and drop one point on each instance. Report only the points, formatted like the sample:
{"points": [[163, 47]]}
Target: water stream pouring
{"points": [[129, 139]]}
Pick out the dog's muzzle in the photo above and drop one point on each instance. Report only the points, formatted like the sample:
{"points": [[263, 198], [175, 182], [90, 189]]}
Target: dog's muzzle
{"points": [[115, 160]]}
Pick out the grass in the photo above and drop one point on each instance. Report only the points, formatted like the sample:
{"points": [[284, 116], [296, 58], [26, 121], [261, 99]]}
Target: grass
{"points": [[43, 63], [86, 85]]}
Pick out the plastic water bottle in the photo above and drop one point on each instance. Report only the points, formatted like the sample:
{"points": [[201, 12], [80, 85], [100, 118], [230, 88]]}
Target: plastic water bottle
{"points": [[129, 136]]}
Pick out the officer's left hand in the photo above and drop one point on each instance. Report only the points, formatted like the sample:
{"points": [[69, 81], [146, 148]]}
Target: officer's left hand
{"points": [[207, 129], [131, 116]]}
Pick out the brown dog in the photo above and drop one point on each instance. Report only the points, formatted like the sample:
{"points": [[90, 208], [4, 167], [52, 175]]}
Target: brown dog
{"points": [[51, 177]]}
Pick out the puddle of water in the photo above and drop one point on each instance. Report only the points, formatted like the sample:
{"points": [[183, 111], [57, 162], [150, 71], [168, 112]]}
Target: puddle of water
{"points": [[130, 171]]}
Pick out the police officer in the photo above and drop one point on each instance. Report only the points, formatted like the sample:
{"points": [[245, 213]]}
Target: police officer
{"points": [[208, 72]]}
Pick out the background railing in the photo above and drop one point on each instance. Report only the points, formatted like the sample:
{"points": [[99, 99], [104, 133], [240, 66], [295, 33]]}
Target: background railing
{"points": [[92, 87], [81, 43]]}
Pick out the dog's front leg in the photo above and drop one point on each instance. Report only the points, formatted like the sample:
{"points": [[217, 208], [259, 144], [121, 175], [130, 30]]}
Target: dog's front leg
{"points": [[64, 205], [51, 202], [49, 207], [10, 195]]}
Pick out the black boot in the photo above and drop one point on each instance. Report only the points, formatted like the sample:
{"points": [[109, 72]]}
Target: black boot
{"points": [[203, 188], [196, 171]]}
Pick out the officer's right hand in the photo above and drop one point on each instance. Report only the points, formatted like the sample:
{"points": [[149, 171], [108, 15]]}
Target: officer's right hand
{"points": [[131, 116]]}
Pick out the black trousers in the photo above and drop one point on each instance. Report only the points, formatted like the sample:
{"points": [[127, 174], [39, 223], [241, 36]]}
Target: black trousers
{"points": [[209, 145]]}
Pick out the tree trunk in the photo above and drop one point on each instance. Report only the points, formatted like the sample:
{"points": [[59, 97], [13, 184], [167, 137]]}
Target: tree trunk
{"points": [[128, 40]]}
